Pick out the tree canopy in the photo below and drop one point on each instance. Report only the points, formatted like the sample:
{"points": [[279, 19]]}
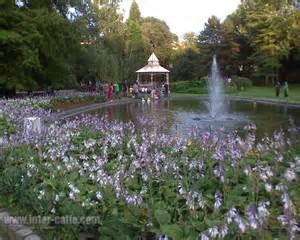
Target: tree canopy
{"points": [[59, 43]]}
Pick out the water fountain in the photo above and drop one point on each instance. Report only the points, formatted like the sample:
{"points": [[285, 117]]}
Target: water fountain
{"points": [[218, 114], [216, 104]]}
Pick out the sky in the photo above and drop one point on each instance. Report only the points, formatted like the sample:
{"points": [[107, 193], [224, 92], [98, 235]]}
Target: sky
{"points": [[183, 15]]}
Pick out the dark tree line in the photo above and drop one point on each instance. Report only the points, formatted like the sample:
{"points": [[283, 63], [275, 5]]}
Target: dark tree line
{"points": [[58, 43]]}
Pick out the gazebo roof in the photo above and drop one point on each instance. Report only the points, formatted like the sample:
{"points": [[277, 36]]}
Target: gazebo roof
{"points": [[153, 66]]}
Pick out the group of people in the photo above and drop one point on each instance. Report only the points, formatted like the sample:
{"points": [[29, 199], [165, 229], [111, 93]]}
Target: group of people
{"points": [[114, 90], [140, 91], [117, 90], [285, 89]]}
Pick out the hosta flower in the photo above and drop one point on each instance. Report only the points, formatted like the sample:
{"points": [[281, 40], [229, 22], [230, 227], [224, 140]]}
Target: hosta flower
{"points": [[204, 237], [241, 224], [223, 231], [98, 195], [41, 194], [213, 232], [218, 200], [163, 237], [268, 187], [246, 171], [287, 203], [233, 215], [252, 217], [290, 224], [290, 175], [72, 196], [73, 188], [262, 211], [281, 187]]}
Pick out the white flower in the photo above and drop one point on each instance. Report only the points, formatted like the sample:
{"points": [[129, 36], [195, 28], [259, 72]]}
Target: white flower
{"points": [[262, 210], [223, 231], [268, 187], [204, 237], [72, 195], [290, 175], [41, 194], [246, 171], [213, 232], [98, 195], [53, 210]]}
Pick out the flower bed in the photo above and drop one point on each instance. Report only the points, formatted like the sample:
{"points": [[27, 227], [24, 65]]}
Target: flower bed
{"points": [[142, 183]]}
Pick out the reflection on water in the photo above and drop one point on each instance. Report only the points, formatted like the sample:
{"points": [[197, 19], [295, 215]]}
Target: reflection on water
{"points": [[181, 116]]}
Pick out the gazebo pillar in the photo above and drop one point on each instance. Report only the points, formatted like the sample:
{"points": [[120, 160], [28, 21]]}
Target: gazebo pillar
{"points": [[152, 78], [168, 83], [167, 78], [138, 78]]}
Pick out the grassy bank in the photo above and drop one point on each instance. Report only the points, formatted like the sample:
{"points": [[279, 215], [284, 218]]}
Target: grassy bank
{"points": [[188, 88], [269, 92]]}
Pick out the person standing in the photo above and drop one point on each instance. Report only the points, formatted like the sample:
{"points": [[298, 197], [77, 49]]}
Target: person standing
{"points": [[117, 90], [110, 92], [97, 85], [166, 89], [277, 88], [90, 87], [286, 89], [135, 90], [81, 85]]}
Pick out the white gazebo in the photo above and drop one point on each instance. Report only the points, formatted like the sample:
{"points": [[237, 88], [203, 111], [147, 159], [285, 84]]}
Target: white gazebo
{"points": [[153, 67]]}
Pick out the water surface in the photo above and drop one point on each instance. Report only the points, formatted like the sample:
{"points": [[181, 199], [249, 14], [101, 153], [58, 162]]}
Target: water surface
{"points": [[181, 116]]}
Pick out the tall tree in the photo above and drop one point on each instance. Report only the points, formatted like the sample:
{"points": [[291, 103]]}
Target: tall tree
{"points": [[135, 48], [159, 38], [210, 42], [268, 30], [19, 52]]}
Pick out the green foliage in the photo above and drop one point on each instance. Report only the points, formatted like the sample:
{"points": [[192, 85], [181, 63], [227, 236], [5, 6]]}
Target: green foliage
{"points": [[158, 38], [191, 86], [268, 28], [186, 65], [241, 83], [6, 127], [135, 47], [26, 172]]}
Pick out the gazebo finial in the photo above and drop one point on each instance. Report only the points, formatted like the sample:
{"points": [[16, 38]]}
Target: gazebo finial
{"points": [[153, 60]]}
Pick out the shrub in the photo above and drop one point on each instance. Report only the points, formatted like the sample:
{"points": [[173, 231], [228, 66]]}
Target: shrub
{"points": [[241, 83], [191, 86]]}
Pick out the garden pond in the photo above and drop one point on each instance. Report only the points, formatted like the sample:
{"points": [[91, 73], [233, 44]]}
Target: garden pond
{"points": [[180, 116]]}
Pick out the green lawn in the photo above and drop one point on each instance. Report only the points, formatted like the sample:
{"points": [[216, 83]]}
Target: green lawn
{"points": [[263, 92], [269, 92]]}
